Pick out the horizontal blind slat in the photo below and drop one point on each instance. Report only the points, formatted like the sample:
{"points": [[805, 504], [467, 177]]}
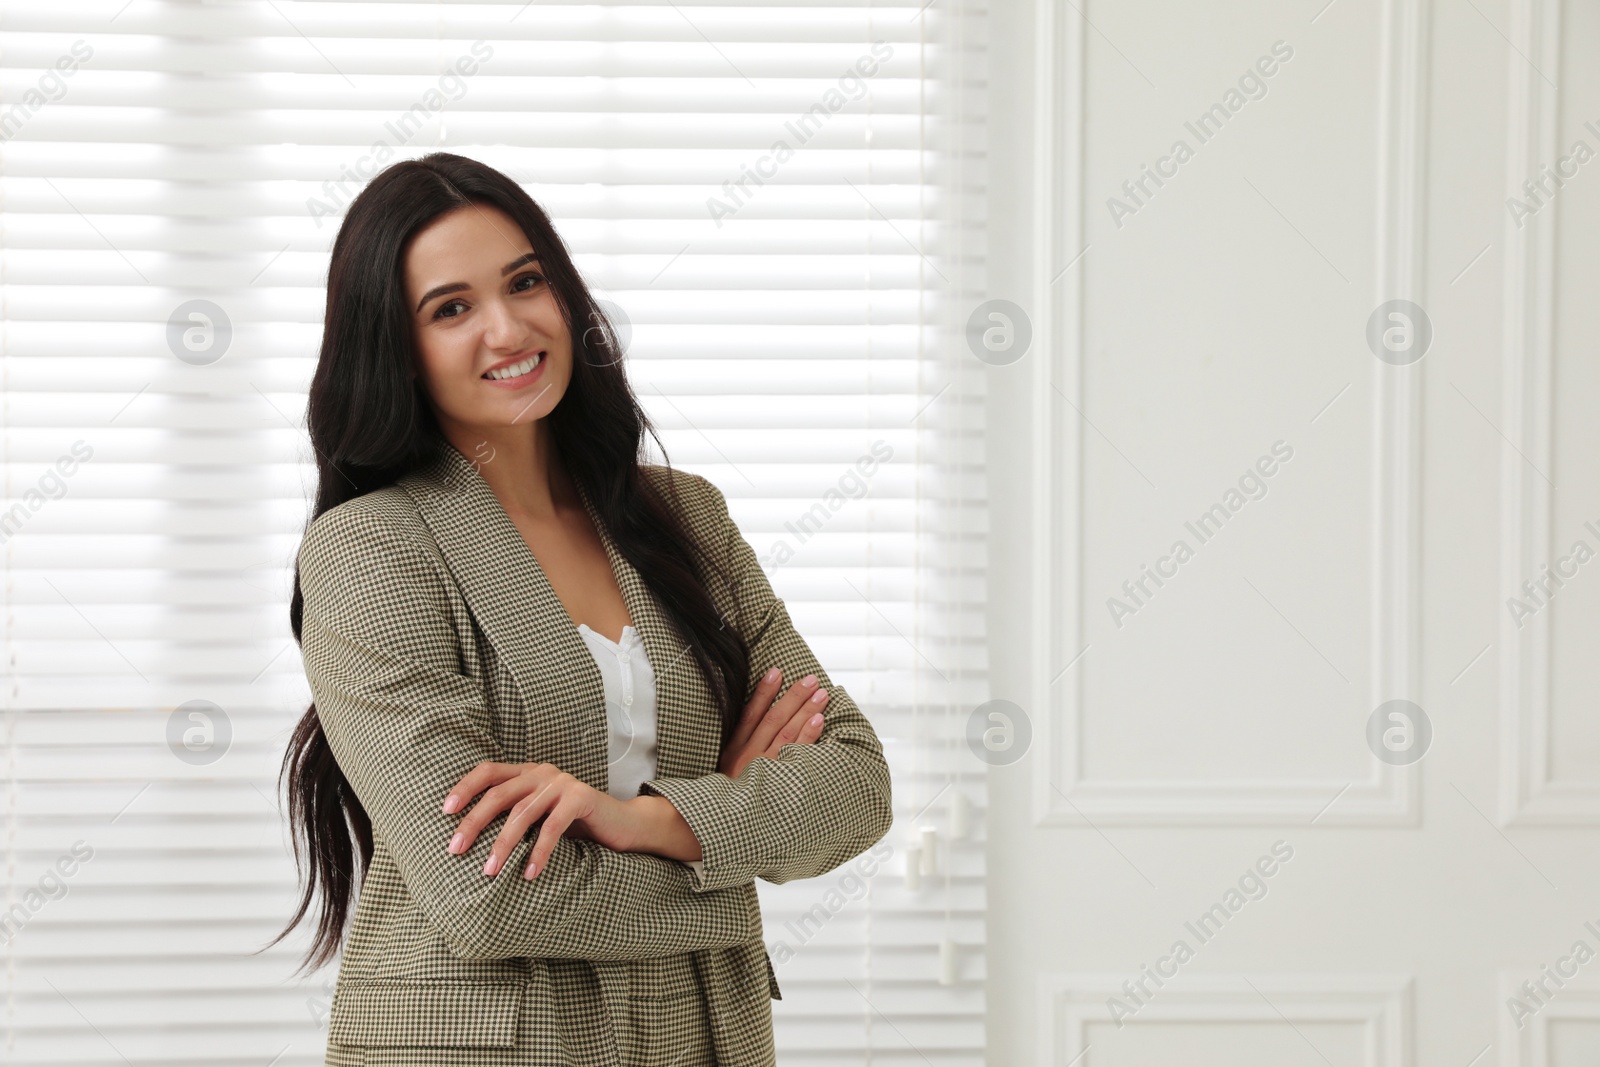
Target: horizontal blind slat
{"points": [[208, 150]]}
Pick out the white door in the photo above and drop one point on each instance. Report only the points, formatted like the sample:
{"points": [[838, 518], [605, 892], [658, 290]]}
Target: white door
{"points": [[1297, 534]]}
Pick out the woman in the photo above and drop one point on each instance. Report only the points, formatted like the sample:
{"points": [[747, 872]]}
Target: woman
{"points": [[531, 657]]}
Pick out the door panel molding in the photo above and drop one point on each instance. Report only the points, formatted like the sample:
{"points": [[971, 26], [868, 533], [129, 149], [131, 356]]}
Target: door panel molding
{"points": [[1380, 1004], [1062, 794], [1528, 795]]}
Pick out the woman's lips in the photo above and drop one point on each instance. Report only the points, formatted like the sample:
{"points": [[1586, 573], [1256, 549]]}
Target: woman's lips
{"points": [[524, 378]]}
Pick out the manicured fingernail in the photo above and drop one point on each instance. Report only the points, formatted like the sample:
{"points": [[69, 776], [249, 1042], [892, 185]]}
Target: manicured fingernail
{"points": [[492, 866], [455, 843], [816, 720], [530, 870], [451, 803], [809, 680], [819, 696], [772, 676]]}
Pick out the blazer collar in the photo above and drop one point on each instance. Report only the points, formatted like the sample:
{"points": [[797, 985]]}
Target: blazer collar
{"points": [[518, 611]]}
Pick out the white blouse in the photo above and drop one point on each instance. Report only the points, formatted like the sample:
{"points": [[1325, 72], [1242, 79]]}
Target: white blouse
{"points": [[630, 688]]}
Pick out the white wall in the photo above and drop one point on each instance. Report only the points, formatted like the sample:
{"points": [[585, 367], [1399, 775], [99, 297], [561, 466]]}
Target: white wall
{"points": [[1228, 712]]}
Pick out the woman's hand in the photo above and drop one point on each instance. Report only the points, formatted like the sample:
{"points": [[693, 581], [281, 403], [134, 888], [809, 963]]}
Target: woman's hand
{"points": [[531, 791], [767, 724]]}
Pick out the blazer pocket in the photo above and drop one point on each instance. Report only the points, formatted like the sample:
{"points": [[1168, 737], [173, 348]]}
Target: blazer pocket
{"points": [[755, 964], [437, 1014], [772, 977]]}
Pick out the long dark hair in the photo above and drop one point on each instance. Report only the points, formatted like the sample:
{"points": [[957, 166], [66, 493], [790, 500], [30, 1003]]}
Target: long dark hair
{"points": [[370, 423]]}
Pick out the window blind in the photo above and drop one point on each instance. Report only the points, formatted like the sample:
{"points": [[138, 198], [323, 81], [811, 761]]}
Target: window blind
{"points": [[783, 204]]}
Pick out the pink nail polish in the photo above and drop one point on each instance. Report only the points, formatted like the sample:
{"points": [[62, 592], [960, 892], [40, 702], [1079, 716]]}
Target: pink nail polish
{"points": [[809, 680], [819, 696], [772, 676], [451, 803], [816, 720], [455, 843], [492, 866]]}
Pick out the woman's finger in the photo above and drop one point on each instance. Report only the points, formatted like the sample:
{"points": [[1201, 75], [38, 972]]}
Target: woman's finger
{"points": [[487, 773], [733, 752], [812, 728], [476, 781], [555, 824], [760, 701], [799, 723], [783, 709], [498, 798], [524, 814]]}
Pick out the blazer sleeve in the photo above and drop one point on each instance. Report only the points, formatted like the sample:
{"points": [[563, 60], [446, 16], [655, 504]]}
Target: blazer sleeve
{"points": [[383, 662], [814, 806]]}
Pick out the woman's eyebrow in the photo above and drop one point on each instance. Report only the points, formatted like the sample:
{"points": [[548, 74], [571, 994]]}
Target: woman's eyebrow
{"points": [[456, 287], [531, 257]]}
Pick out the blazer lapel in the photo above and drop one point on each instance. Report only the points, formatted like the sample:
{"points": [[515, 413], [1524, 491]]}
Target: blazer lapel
{"points": [[687, 727], [519, 612]]}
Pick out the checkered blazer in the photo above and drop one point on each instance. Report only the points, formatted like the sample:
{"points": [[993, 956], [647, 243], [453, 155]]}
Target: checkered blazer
{"points": [[433, 641]]}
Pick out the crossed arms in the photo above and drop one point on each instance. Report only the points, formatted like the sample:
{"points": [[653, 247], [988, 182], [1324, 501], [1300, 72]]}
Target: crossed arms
{"points": [[379, 641]]}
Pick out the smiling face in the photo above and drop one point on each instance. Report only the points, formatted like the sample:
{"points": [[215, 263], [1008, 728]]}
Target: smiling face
{"points": [[493, 348]]}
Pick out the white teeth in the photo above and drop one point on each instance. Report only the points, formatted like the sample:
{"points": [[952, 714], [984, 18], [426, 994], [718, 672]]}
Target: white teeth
{"points": [[515, 369]]}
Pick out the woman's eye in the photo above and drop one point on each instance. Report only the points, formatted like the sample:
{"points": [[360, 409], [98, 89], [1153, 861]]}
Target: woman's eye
{"points": [[531, 277]]}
